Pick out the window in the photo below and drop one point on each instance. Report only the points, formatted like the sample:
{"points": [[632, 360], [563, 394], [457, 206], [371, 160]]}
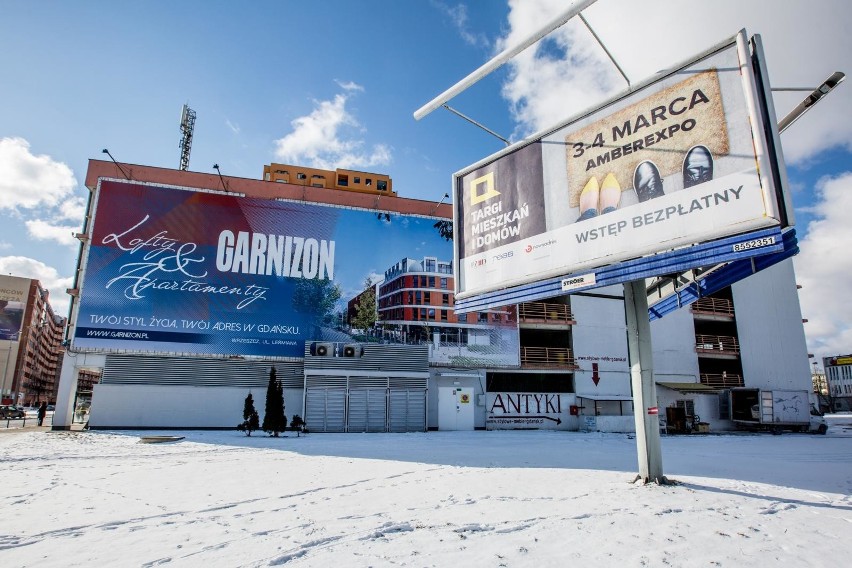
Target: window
{"points": [[443, 315], [356, 180], [266, 176], [462, 318], [482, 317], [445, 299], [443, 283], [432, 314], [418, 297], [368, 181], [423, 313], [427, 298], [381, 185], [300, 175], [343, 181]]}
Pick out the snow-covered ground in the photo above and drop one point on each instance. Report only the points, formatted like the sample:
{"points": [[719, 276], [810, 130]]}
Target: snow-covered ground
{"points": [[506, 498]]}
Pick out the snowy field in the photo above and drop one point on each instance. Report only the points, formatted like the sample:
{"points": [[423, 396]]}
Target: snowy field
{"points": [[437, 499]]}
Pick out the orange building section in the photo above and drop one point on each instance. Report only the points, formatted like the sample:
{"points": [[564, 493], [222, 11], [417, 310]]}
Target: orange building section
{"points": [[344, 180], [378, 200]]}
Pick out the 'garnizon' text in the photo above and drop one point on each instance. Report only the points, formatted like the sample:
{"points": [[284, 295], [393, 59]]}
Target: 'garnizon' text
{"points": [[258, 253]]}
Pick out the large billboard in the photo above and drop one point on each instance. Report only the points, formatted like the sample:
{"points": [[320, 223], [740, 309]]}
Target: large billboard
{"points": [[682, 160], [174, 270]]}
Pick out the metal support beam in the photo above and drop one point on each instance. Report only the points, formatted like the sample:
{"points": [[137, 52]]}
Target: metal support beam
{"points": [[600, 43], [575, 8], [812, 99], [473, 122], [645, 411]]}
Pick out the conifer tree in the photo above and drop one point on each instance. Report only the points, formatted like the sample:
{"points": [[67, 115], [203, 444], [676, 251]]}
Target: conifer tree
{"points": [[274, 421], [251, 421]]}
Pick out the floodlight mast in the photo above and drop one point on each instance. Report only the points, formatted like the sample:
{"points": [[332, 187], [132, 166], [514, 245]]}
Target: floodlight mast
{"points": [[187, 127], [575, 8]]}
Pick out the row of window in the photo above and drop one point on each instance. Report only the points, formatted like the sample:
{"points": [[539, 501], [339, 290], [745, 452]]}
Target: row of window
{"points": [[434, 314], [411, 298], [414, 281]]}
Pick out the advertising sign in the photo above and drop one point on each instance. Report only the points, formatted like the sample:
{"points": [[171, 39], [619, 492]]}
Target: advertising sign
{"points": [[13, 298], [202, 272], [680, 161], [522, 410]]}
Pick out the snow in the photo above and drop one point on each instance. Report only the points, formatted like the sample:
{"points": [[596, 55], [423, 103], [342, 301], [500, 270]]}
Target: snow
{"points": [[505, 498]]}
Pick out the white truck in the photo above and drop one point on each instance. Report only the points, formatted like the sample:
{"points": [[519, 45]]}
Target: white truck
{"points": [[776, 410]]}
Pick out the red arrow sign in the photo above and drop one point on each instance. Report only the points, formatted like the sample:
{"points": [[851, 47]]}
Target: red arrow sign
{"points": [[595, 377]]}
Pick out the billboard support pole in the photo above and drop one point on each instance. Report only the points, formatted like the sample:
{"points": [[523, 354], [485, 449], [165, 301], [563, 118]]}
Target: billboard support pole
{"points": [[645, 409]]}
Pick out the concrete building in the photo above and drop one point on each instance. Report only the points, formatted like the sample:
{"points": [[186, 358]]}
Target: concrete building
{"points": [[30, 342], [345, 180], [838, 376]]}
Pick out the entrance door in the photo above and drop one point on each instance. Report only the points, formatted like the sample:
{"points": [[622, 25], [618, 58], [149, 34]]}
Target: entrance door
{"points": [[455, 408]]}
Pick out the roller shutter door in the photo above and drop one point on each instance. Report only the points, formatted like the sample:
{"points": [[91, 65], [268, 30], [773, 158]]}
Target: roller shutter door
{"points": [[407, 410], [367, 410], [325, 409]]}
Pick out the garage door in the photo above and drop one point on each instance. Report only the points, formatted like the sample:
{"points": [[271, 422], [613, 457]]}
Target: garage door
{"points": [[368, 410], [325, 409], [407, 410]]}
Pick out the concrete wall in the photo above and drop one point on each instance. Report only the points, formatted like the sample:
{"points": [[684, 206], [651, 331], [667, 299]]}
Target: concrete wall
{"points": [[157, 406], [769, 324], [465, 378], [673, 341], [600, 338]]}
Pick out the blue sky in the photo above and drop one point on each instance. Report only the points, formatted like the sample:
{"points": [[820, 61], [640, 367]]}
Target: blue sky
{"points": [[335, 82]]}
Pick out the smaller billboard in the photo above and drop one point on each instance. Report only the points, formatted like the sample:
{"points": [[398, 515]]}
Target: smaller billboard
{"points": [[681, 160]]}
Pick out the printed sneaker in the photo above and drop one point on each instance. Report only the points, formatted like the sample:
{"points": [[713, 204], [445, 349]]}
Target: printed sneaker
{"points": [[647, 181], [697, 166]]}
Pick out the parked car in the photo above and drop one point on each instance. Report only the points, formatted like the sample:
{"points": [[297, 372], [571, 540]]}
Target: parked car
{"points": [[7, 412]]}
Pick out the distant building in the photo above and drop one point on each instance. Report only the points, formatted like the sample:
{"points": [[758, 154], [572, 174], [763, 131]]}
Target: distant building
{"points": [[30, 342], [344, 180], [838, 375]]}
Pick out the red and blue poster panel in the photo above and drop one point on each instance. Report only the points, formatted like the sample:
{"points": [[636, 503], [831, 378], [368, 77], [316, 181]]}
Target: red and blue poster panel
{"points": [[173, 270]]}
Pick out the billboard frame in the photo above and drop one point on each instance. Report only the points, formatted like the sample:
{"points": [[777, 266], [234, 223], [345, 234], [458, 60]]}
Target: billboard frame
{"points": [[771, 177]]}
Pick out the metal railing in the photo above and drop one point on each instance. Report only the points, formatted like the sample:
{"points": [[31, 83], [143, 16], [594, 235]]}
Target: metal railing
{"points": [[541, 312], [722, 380], [713, 306], [717, 344], [547, 357]]}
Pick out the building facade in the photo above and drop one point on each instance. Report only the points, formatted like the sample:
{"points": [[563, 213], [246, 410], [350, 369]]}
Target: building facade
{"points": [[31, 336], [838, 376], [341, 179]]}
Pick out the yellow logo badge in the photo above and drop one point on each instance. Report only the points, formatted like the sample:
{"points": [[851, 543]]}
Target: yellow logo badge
{"points": [[482, 189]]}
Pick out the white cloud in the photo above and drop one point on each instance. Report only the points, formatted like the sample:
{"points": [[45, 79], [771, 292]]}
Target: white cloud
{"points": [[45, 231], [235, 128], [321, 139], [48, 276], [29, 181], [804, 44], [349, 85], [823, 268], [459, 19]]}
